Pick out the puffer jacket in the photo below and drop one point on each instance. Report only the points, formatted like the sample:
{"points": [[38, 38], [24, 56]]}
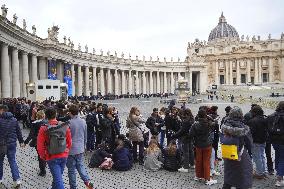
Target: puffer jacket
{"points": [[200, 132], [172, 162], [135, 131], [259, 129], [10, 129]]}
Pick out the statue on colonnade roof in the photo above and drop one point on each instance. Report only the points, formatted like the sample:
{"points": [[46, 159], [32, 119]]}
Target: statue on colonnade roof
{"points": [[15, 18], [4, 10], [53, 33]]}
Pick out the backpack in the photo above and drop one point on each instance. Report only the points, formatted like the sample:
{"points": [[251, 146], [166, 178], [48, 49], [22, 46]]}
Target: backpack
{"points": [[276, 130], [57, 138], [231, 147]]}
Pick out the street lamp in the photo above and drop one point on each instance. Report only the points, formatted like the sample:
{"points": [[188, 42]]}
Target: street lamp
{"points": [[135, 77]]}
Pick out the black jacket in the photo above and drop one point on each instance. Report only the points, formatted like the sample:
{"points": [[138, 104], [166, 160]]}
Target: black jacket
{"points": [[172, 162], [91, 121], [98, 158], [276, 137], [200, 132], [258, 127], [32, 138], [172, 123], [154, 124], [183, 132]]}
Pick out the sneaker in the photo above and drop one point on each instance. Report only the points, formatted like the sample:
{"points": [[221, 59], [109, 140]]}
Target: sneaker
{"points": [[279, 183], [211, 182], [198, 179], [89, 185], [214, 173], [18, 183], [1, 181], [183, 170]]}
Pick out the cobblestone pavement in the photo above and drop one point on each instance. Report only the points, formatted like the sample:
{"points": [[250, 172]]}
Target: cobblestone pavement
{"points": [[135, 178]]}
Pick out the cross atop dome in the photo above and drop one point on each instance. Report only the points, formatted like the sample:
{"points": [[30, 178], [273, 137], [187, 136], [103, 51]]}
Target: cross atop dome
{"points": [[222, 18]]}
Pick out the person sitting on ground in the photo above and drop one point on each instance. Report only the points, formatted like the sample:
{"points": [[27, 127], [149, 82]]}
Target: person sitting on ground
{"points": [[172, 157], [153, 156], [99, 156], [127, 143], [122, 158]]}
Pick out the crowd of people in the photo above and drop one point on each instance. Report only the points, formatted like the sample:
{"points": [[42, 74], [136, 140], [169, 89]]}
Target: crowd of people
{"points": [[171, 138]]}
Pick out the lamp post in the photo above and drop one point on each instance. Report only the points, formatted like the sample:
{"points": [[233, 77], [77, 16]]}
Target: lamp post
{"points": [[135, 77]]}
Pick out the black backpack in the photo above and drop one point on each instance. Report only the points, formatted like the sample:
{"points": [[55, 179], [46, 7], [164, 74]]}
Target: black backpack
{"points": [[276, 130], [57, 138]]}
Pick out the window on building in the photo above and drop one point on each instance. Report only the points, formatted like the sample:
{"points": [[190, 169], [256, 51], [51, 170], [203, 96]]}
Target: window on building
{"points": [[48, 86], [234, 81], [222, 79], [243, 78], [40, 87], [252, 80], [265, 77], [55, 87]]}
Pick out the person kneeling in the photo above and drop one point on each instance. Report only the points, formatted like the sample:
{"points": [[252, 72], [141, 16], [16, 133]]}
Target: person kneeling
{"points": [[122, 158]]}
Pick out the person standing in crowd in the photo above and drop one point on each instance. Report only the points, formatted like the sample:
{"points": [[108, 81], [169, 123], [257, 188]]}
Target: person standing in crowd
{"points": [[116, 120], [56, 162], [99, 117], [172, 157], [200, 132], [276, 134], [153, 156], [135, 133], [227, 110], [91, 122], [32, 139], [258, 126], [172, 122], [186, 141], [75, 159], [162, 114], [154, 122], [238, 173], [248, 116], [24, 111], [214, 116], [10, 133]]}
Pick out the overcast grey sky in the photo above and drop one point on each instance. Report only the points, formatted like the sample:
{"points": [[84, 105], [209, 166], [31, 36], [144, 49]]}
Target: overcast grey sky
{"points": [[147, 27]]}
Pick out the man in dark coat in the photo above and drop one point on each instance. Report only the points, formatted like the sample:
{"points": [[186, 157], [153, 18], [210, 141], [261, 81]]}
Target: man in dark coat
{"points": [[154, 122], [10, 133]]}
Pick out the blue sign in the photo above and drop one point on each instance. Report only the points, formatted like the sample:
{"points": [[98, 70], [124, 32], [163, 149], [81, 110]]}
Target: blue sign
{"points": [[68, 78], [52, 70]]}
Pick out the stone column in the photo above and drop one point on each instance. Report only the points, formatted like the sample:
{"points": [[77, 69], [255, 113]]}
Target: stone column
{"points": [[25, 69], [190, 81], [217, 73], [94, 81], [159, 82], [165, 83], [87, 81], [102, 81], [42, 68], [116, 87], [144, 82], [270, 69], [5, 70], [15, 74], [227, 82], [248, 70], [34, 69], [130, 84], [203, 85], [231, 72], [238, 72], [256, 71], [137, 83], [108, 81], [172, 83], [123, 82], [259, 70], [151, 83], [80, 80], [73, 79]]}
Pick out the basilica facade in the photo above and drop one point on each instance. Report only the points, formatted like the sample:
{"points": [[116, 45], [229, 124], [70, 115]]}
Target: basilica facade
{"points": [[226, 59]]}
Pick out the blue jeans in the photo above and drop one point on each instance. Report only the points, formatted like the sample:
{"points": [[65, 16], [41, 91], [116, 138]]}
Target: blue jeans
{"points": [[11, 155], [56, 167], [258, 156], [76, 162], [162, 138], [279, 159]]}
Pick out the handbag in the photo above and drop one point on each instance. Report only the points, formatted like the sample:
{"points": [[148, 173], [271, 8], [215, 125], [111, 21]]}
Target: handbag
{"points": [[230, 147]]}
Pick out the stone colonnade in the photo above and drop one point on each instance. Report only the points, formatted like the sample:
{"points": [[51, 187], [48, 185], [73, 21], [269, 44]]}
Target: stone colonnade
{"points": [[18, 68]]}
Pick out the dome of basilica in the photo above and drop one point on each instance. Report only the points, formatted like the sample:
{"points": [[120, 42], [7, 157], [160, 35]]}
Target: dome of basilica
{"points": [[223, 30]]}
